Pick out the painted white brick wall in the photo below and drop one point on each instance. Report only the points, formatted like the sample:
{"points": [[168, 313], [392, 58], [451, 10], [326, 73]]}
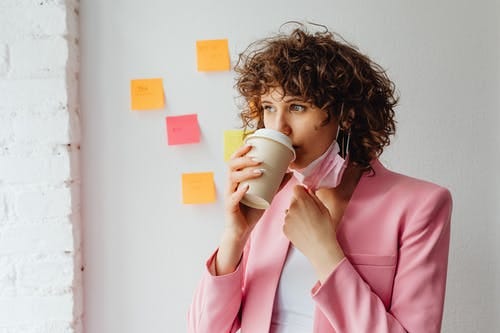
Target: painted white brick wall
{"points": [[40, 257]]}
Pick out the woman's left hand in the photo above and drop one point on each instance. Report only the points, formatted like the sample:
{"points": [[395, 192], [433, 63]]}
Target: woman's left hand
{"points": [[311, 229]]}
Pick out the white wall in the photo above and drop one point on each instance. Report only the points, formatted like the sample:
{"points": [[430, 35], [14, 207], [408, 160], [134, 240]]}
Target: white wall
{"points": [[144, 250], [40, 278]]}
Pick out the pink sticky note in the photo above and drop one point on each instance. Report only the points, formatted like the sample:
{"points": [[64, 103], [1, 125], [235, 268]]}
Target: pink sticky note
{"points": [[183, 129]]}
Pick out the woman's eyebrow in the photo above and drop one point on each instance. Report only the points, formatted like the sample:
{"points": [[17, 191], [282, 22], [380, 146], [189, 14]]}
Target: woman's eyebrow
{"points": [[293, 99]]}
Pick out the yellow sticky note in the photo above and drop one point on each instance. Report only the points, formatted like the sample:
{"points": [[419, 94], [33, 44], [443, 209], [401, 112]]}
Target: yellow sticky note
{"points": [[198, 188], [233, 139], [147, 94], [213, 55]]}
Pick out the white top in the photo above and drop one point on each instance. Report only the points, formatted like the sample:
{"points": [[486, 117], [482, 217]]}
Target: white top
{"points": [[293, 309]]}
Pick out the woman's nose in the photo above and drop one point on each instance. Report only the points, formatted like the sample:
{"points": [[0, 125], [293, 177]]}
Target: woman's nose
{"points": [[281, 124]]}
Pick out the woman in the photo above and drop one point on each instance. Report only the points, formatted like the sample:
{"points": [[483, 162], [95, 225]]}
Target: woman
{"points": [[347, 245]]}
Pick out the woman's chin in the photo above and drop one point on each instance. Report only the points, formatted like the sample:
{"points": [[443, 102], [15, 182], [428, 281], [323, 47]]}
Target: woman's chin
{"points": [[296, 165]]}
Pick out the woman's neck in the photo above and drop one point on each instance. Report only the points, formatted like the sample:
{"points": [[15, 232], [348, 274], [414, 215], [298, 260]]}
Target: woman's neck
{"points": [[350, 180]]}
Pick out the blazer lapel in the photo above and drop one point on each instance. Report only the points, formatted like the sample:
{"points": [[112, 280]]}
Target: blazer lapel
{"points": [[267, 256]]}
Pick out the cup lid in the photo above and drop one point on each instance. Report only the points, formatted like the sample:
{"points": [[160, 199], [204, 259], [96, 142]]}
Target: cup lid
{"points": [[273, 135]]}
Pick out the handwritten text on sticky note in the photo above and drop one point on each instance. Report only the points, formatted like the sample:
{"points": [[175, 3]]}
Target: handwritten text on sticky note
{"points": [[213, 55], [183, 129], [147, 94], [198, 188]]}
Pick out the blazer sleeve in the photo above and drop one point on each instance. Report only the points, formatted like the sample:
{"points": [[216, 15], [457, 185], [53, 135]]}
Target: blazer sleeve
{"points": [[217, 300], [419, 286]]}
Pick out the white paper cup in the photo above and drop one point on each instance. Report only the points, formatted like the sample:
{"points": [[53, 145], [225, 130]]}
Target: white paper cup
{"points": [[275, 151]]}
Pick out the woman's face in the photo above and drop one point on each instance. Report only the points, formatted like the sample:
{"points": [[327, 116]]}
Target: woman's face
{"points": [[301, 122]]}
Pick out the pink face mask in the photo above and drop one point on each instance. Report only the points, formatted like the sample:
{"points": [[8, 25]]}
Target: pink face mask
{"points": [[326, 171]]}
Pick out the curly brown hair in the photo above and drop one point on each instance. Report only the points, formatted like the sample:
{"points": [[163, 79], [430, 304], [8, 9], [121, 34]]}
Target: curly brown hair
{"points": [[326, 71]]}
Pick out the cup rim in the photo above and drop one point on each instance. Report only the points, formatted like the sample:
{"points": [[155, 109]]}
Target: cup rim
{"points": [[273, 135]]}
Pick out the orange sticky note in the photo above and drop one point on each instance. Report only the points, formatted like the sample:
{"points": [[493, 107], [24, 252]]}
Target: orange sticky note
{"points": [[147, 94], [183, 129], [233, 139], [198, 188], [213, 55]]}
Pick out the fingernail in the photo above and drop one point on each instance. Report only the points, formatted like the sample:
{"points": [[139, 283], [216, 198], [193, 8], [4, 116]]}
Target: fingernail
{"points": [[256, 159], [258, 171]]}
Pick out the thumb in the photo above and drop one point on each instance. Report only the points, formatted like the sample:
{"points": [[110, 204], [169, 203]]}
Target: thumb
{"points": [[327, 197]]}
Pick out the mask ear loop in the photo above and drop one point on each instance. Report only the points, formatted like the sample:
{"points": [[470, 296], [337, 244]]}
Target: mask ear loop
{"points": [[340, 117], [347, 146], [339, 128], [344, 149]]}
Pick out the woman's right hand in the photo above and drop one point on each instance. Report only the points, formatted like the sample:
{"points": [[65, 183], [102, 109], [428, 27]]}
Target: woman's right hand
{"points": [[239, 219]]}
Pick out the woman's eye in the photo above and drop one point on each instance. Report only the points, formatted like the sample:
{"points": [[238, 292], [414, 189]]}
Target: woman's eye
{"points": [[297, 107], [268, 108]]}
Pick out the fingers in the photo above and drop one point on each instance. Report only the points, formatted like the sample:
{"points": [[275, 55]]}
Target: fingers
{"points": [[299, 199], [324, 194], [241, 151], [236, 177], [319, 203], [239, 159], [239, 163], [327, 197], [242, 167], [236, 196], [303, 197]]}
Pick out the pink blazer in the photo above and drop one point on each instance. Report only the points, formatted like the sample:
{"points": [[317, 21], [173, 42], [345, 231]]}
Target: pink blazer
{"points": [[395, 233]]}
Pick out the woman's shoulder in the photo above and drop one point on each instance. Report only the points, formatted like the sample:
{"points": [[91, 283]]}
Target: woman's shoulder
{"points": [[418, 202], [405, 186]]}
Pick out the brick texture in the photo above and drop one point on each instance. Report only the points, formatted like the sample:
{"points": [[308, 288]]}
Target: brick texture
{"points": [[40, 278]]}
